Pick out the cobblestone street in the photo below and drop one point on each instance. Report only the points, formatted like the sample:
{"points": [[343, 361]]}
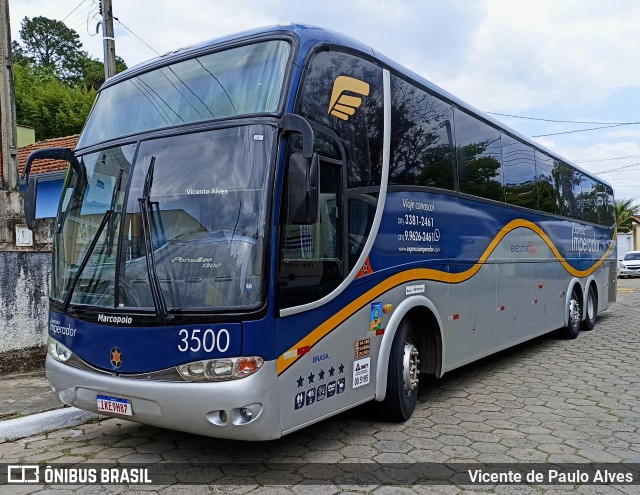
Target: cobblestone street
{"points": [[547, 401]]}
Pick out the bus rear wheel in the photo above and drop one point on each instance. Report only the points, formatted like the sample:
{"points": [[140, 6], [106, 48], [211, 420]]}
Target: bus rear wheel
{"points": [[592, 309], [402, 375], [572, 329]]}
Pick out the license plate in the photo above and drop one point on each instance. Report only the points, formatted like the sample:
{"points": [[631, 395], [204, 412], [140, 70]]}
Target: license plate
{"points": [[114, 405]]}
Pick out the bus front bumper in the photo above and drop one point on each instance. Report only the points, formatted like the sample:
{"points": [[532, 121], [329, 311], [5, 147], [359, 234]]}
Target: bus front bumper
{"points": [[211, 409]]}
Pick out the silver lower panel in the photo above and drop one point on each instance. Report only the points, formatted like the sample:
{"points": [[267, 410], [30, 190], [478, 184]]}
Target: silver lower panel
{"points": [[190, 407]]}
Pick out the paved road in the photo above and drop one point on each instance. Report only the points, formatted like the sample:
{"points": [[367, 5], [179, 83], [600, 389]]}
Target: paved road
{"points": [[548, 401]]}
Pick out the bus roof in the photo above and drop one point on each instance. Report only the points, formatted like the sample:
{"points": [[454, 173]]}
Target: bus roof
{"points": [[309, 36]]}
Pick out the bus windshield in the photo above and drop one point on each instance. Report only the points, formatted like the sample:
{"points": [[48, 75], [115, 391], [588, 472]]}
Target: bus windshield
{"points": [[206, 201], [238, 81]]}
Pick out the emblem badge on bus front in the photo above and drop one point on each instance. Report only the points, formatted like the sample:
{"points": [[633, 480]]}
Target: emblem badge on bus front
{"points": [[115, 357]]}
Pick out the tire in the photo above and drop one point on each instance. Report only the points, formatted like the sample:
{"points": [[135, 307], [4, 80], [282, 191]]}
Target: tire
{"points": [[572, 328], [400, 399], [591, 310]]}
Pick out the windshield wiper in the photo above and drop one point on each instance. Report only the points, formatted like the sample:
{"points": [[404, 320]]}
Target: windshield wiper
{"points": [[114, 199], [106, 219], [145, 208], [85, 260]]}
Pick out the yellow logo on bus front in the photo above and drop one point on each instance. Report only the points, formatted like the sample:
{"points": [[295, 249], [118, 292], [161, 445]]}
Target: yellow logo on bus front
{"points": [[343, 105]]}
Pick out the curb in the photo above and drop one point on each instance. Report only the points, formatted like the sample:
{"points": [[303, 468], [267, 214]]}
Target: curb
{"points": [[14, 429]]}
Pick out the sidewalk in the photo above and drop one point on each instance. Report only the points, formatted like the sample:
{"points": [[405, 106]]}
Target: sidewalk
{"points": [[28, 407], [23, 394]]}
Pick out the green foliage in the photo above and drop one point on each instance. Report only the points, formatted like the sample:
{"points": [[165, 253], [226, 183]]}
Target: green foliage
{"points": [[44, 102], [55, 80], [625, 210], [51, 44], [93, 71], [18, 55]]}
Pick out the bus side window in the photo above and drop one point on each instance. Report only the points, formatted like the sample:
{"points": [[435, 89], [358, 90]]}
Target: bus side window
{"points": [[421, 140], [546, 184], [519, 169], [589, 200], [479, 155]]}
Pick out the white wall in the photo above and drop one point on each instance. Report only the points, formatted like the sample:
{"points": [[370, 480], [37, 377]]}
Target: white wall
{"points": [[625, 243]]}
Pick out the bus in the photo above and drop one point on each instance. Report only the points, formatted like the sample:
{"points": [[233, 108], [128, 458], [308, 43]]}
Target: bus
{"points": [[259, 232]]}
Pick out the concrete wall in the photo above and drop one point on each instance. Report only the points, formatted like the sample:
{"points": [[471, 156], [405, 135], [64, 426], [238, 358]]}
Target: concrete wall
{"points": [[26, 136], [24, 278], [24, 299]]}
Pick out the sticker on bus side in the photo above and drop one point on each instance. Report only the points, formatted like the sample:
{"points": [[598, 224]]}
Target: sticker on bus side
{"points": [[376, 316], [362, 348], [361, 370]]}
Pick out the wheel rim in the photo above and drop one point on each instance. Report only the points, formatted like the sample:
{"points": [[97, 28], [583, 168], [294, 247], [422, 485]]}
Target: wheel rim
{"points": [[574, 312], [410, 369], [591, 308]]}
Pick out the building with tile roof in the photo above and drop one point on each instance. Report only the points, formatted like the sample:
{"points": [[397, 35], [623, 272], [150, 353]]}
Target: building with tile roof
{"points": [[50, 173], [47, 166]]}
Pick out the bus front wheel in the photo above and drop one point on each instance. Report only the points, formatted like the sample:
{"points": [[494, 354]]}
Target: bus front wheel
{"points": [[402, 375]]}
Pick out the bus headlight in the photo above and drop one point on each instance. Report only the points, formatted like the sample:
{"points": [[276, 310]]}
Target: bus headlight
{"points": [[57, 351], [216, 370]]}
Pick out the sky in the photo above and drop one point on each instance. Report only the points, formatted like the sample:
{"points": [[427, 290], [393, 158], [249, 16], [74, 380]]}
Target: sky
{"points": [[570, 60]]}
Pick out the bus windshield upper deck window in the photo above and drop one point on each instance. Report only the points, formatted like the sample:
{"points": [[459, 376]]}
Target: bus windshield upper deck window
{"points": [[238, 81]]}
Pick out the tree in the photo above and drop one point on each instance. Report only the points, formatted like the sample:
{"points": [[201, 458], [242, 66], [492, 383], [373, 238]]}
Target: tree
{"points": [[55, 80], [18, 56], [44, 102], [93, 71], [625, 211], [52, 45]]}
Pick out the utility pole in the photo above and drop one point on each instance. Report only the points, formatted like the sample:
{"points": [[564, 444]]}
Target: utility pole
{"points": [[109, 41], [8, 138]]}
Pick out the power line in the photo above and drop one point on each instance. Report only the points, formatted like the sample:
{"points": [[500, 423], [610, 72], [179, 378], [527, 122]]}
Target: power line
{"points": [[74, 9], [563, 121], [143, 41], [606, 159], [619, 168], [77, 21], [79, 16], [584, 130]]}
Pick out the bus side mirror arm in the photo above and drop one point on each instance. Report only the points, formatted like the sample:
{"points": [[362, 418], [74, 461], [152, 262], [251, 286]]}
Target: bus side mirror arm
{"points": [[54, 154], [30, 202], [295, 123]]}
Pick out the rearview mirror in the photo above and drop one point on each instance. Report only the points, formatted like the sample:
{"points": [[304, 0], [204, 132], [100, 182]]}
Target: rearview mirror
{"points": [[302, 188], [30, 202], [32, 182]]}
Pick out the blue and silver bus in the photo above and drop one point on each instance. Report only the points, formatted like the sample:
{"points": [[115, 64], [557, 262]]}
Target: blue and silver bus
{"points": [[262, 231]]}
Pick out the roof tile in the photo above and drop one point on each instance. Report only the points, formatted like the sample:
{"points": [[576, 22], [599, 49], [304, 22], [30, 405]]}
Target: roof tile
{"points": [[47, 165]]}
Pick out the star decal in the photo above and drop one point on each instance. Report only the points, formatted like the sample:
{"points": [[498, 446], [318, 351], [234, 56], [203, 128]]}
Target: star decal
{"points": [[332, 370], [311, 377], [300, 381], [341, 368], [321, 374]]}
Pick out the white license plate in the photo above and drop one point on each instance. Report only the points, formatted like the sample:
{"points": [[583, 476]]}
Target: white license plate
{"points": [[114, 405]]}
